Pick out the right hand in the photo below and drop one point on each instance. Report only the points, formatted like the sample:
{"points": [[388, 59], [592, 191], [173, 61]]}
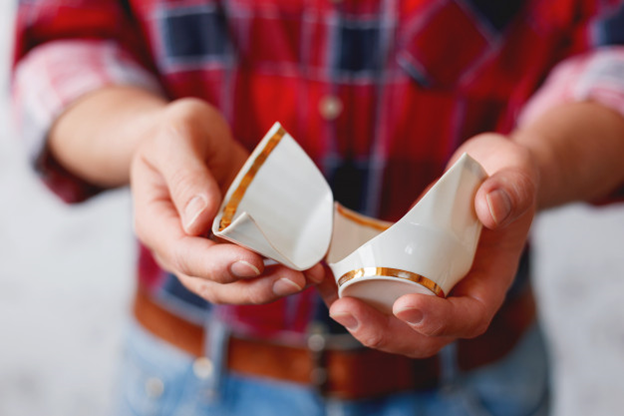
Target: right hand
{"points": [[178, 176]]}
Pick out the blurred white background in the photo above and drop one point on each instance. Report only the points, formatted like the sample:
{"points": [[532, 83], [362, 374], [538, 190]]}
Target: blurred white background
{"points": [[66, 278]]}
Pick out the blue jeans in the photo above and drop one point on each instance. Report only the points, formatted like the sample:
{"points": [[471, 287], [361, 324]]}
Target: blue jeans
{"points": [[158, 379]]}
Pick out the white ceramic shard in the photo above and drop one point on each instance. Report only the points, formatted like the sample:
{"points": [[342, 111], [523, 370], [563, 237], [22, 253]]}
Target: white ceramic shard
{"points": [[279, 205], [427, 251]]}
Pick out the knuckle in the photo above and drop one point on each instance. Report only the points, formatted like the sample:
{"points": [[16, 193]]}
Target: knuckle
{"points": [[479, 329], [481, 323], [429, 351], [258, 297], [182, 182], [221, 277], [527, 159], [215, 269], [210, 294], [522, 184], [191, 116], [526, 175], [435, 329], [187, 183], [179, 262], [373, 340], [527, 188], [187, 109]]}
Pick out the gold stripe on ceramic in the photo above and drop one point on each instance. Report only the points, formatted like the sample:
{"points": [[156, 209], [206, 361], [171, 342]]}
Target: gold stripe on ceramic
{"points": [[390, 272], [230, 208], [361, 219]]}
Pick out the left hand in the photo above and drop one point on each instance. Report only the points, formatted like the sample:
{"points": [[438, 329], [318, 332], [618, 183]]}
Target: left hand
{"points": [[421, 324]]}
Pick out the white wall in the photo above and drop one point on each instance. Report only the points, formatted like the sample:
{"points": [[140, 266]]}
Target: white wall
{"points": [[65, 280], [66, 276], [580, 284]]}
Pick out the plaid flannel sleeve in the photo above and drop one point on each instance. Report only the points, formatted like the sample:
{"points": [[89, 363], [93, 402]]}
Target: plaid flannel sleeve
{"points": [[58, 60], [594, 76], [597, 74]]}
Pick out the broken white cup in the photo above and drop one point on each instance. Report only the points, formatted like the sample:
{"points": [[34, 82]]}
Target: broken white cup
{"points": [[281, 207]]}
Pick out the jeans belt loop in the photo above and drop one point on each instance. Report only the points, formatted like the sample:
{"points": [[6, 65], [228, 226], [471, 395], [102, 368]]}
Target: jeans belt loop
{"points": [[449, 370], [317, 345], [216, 339]]}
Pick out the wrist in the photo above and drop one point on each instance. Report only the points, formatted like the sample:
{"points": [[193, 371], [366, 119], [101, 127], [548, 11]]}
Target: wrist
{"points": [[97, 135], [577, 148]]}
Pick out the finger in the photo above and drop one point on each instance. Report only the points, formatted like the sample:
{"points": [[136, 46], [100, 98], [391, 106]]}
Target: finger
{"points": [[382, 332], [474, 301], [504, 197], [455, 317], [315, 274], [200, 257], [220, 263], [328, 289], [276, 282], [177, 155], [511, 189], [158, 226]]}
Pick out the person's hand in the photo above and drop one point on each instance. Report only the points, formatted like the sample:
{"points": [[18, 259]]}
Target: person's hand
{"points": [[177, 179], [421, 325]]}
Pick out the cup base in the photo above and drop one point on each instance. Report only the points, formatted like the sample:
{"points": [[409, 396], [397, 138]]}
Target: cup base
{"points": [[381, 291]]}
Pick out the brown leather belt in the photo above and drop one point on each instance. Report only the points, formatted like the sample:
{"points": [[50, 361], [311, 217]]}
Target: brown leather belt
{"points": [[348, 374]]}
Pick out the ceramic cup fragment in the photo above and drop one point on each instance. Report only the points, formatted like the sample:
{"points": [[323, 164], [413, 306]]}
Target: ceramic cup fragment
{"points": [[281, 207]]}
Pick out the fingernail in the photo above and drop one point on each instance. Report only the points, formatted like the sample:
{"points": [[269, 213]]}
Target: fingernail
{"points": [[193, 209], [347, 320], [284, 287], [243, 268], [499, 204], [411, 316]]}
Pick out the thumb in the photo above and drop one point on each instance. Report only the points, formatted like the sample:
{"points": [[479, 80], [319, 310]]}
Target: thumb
{"points": [[504, 197], [193, 189]]}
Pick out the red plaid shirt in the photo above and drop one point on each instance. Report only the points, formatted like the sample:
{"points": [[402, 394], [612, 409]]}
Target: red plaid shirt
{"points": [[379, 94]]}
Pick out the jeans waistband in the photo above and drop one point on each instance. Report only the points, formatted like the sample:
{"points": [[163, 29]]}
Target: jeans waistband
{"points": [[347, 374]]}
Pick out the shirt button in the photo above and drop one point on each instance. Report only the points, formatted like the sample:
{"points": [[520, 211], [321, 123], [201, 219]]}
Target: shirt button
{"points": [[154, 387], [202, 368], [330, 107]]}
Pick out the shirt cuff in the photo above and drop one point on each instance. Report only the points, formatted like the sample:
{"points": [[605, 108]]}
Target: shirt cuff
{"points": [[596, 76], [53, 76]]}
